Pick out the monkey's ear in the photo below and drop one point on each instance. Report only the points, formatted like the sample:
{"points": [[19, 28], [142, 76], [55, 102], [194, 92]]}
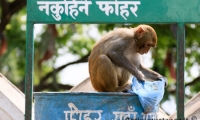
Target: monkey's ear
{"points": [[140, 32]]}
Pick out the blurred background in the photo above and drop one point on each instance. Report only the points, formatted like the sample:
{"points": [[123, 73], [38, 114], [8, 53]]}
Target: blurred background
{"points": [[61, 53]]}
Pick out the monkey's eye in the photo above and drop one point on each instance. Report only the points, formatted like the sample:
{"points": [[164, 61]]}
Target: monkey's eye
{"points": [[149, 45], [142, 46]]}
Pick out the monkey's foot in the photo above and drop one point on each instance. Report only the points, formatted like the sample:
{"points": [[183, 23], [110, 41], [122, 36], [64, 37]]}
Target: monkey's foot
{"points": [[127, 87]]}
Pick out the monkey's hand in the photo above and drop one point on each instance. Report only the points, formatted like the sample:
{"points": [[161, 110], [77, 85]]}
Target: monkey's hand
{"points": [[166, 80], [140, 76]]}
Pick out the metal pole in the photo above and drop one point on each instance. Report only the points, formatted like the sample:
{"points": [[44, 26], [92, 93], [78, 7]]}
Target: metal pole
{"points": [[180, 91], [29, 70]]}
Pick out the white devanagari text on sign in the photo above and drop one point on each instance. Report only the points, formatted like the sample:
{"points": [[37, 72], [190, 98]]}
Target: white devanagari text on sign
{"points": [[73, 7]]}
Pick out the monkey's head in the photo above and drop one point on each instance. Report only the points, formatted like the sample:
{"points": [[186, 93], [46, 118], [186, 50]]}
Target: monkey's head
{"points": [[145, 37]]}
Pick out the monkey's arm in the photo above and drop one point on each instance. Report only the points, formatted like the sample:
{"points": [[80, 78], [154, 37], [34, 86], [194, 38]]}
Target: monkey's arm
{"points": [[120, 60], [149, 74]]}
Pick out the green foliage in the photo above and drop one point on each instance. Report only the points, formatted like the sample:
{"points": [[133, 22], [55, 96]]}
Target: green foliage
{"points": [[195, 88], [12, 64], [75, 39], [79, 42]]}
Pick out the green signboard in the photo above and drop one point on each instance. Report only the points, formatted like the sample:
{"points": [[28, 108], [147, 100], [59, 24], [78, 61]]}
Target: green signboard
{"points": [[114, 11]]}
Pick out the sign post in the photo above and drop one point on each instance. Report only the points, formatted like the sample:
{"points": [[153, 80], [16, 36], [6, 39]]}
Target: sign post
{"points": [[177, 12]]}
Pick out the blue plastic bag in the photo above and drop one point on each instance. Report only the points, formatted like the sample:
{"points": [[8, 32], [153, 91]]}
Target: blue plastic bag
{"points": [[149, 93]]}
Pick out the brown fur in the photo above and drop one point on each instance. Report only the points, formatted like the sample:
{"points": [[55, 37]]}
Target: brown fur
{"points": [[117, 55]]}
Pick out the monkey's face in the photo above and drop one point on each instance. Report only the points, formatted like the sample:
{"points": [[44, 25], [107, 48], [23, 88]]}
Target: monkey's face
{"points": [[144, 49]]}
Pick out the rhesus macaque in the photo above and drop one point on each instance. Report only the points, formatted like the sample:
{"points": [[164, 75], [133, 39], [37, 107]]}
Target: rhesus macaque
{"points": [[117, 55]]}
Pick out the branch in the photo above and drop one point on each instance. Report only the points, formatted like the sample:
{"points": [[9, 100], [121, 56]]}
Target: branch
{"points": [[17, 5], [173, 91], [193, 82], [8, 9], [81, 60]]}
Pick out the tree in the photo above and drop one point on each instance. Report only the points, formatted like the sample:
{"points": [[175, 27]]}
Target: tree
{"points": [[8, 8]]}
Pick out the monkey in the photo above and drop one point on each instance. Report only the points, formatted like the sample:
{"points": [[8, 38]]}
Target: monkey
{"points": [[117, 55]]}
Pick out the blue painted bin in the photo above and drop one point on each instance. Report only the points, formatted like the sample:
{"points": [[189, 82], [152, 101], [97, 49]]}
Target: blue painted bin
{"points": [[88, 106]]}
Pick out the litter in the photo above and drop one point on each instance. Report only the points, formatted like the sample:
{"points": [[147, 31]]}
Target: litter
{"points": [[149, 93]]}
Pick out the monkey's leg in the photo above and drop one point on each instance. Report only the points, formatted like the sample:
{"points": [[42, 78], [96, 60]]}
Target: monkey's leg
{"points": [[106, 77]]}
